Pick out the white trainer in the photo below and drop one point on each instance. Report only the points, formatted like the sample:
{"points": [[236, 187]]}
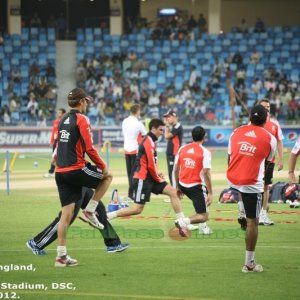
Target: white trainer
{"points": [[90, 217], [252, 269], [65, 261], [264, 220], [295, 204], [192, 227], [182, 227], [205, 230]]}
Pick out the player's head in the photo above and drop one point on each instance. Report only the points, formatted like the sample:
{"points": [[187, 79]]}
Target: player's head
{"points": [[198, 134], [60, 113], [77, 98], [171, 116], [135, 109], [157, 127], [258, 115], [265, 103]]}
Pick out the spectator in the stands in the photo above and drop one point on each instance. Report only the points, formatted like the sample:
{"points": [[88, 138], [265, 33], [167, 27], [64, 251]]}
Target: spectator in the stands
{"points": [[259, 26], [270, 85], [127, 104], [167, 32], [41, 88], [193, 76], [240, 79], [192, 23], [101, 106], [34, 69], [132, 56], [80, 73], [50, 72], [274, 105], [154, 99], [293, 108], [32, 108], [237, 59], [5, 115], [156, 34], [256, 86], [15, 75], [243, 27], [35, 20], [14, 103], [255, 57], [161, 65], [202, 23]]}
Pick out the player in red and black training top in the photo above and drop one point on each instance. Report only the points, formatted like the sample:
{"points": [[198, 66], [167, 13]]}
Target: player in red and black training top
{"points": [[73, 172], [147, 179], [173, 134]]}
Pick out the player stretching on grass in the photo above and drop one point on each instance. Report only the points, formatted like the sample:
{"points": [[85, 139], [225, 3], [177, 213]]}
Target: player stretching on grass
{"points": [[49, 234], [147, 179], [249, 146], [73, 172], [192, 175]]}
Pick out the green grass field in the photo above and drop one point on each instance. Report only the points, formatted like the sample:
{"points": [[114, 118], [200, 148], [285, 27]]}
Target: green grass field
{"points": [[155, 266]]}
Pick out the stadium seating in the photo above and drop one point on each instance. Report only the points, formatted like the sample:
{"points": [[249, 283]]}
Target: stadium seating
{"points": [[278, 46], [19, 51]]}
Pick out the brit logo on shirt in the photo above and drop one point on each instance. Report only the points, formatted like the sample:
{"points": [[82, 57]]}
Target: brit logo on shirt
{"points": [[64, 136], [189, 163], [246, 148]]}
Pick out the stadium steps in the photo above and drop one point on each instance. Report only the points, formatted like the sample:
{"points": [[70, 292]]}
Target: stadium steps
{"points": [[65, 70]]}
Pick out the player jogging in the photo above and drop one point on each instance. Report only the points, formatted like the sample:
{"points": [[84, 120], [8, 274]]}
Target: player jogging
{"points": [[248, 148]]}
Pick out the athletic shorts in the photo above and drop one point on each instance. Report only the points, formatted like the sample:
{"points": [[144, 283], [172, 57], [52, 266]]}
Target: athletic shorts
{"points": [[69, 184], [252, 204], [142, 189], [269, 172], [198, 195]]}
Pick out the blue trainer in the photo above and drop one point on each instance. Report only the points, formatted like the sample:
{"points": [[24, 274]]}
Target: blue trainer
{"points": [[118, 248], [34, 248]]}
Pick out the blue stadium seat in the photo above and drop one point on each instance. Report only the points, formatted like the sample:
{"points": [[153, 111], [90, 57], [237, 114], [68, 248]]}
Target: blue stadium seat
{"points": [[34, 32], [97, 33], [268, 48]]}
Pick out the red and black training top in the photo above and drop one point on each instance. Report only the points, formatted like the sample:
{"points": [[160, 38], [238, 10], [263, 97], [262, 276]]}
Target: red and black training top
{"points": [[145, 166], [174, 143], [74, 140]]}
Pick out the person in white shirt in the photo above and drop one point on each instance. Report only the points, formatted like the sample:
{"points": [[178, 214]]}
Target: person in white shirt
{"points": [[133, 130]]}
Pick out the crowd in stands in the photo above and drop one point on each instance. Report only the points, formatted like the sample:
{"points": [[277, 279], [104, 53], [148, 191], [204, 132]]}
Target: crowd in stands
{"points": [[117, 80], [28, 76], [116, 83], [115, 93]]}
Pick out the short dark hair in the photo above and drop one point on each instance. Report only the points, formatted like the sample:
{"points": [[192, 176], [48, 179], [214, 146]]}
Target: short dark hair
{"points": [[135, 108], [264, 100], [198, 133], [62, 110], [258, 115], [155, 123]]}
